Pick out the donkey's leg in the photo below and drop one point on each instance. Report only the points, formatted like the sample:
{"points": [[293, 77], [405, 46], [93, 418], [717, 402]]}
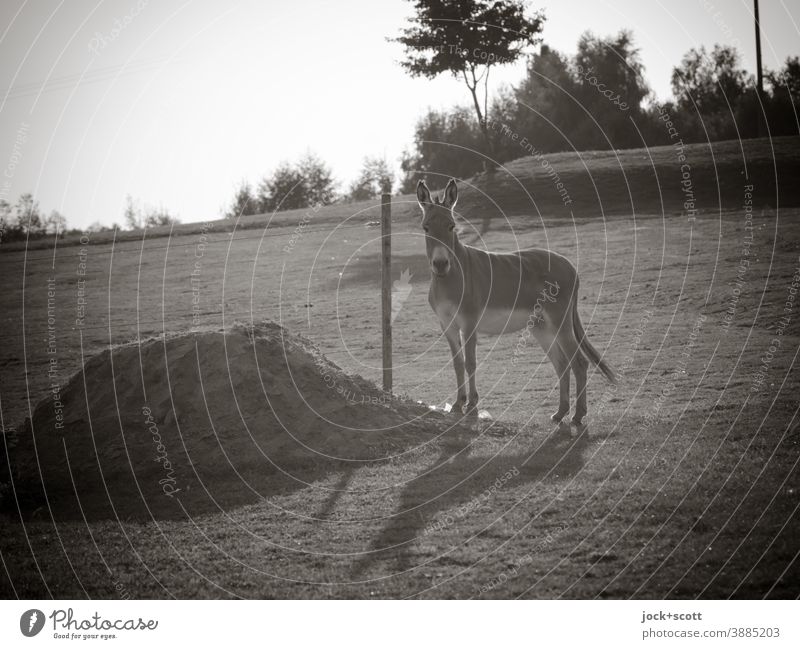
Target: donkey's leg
{"points": [[562, 369], [578, 363], [453, 335], [470, 348], [559, 360]]}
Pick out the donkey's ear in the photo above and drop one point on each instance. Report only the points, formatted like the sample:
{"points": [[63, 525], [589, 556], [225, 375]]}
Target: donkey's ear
{"points": [[423, 193], [450, 194]]}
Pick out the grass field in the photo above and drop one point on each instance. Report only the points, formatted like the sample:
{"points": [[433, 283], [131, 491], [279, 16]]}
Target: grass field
{"points": [[685, 484]]}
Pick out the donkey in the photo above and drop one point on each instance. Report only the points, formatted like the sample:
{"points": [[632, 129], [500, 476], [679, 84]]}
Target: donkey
{"points": [[473, 291]]}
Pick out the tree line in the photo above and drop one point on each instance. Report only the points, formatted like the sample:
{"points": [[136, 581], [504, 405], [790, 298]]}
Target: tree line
{"points": [[309, 182], [598, 99], [26, 220]]}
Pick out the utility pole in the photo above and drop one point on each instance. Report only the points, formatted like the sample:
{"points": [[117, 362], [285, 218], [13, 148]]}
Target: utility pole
{"points": [[759, 73]]}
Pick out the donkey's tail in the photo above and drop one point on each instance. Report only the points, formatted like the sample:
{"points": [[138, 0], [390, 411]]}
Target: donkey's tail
{"points": [[587, 348]]}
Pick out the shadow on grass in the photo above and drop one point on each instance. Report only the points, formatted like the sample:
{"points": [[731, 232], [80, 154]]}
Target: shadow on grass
{"points": [[457, 482]]}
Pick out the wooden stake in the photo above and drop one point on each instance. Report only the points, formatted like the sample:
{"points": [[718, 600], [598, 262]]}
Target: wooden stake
{"points": [[386, 288]]}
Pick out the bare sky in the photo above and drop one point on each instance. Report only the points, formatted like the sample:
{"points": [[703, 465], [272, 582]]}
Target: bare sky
{"points": [[188, 98]]}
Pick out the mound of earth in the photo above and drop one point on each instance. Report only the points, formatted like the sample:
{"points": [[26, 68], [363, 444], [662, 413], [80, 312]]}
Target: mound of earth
{"points": [[195, 422]]}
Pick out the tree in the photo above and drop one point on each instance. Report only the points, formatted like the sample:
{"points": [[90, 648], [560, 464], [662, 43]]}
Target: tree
{"points": [[786, 80], [55, 224], [466, 39], [305, 184], [446, 144], [132, 214], [545, 110], [8, 228], [28, 217], [245, 202], [709, 82], [94, 227], [283, 190], [319, 185], [156, 217], [784, 91], [374, 178], [611, 87]]}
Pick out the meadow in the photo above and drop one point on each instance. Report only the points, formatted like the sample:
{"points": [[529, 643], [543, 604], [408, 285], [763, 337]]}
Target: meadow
{"points": [[684, 485]]}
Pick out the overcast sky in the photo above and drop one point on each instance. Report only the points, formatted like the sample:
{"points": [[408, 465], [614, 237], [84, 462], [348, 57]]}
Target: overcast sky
{"points": [[188, 98]]}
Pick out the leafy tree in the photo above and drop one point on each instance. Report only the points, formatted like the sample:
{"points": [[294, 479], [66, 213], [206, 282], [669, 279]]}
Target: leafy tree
{"points": [[96, 227], [784, 88], [156, 217], [132, 214], [445, 145], [283, 190], [786, 80], [374, 179], [466, 39], [55, 224], [147, 217], [611, 87], [305, 184], [710, 82], [8, 228], [544, 109], [319, 184], [245, 202], [28, 217]]}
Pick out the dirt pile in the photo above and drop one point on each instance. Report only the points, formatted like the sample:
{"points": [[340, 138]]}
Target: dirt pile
{"points": [[202, 421]]}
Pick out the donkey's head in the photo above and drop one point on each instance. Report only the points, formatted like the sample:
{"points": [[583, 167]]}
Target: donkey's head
{"points": [[439, 225]]}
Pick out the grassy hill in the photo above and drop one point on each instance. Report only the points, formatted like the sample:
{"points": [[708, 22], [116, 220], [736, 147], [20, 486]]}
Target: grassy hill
{"points": [[598, 184]]}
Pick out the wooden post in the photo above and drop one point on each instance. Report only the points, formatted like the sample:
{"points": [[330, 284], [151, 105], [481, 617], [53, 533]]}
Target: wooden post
{"points": [[759, 73], [386, 288]]}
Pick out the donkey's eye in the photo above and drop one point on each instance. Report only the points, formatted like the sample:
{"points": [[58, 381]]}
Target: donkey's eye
{"points": [[425, 228]]}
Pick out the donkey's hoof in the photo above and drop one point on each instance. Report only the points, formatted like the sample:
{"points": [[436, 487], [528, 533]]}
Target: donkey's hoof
{"points": [[577, 421], [556, 417]]}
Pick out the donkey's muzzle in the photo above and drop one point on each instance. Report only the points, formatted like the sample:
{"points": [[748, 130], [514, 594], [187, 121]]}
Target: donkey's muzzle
{"points": [[441, 266]]}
